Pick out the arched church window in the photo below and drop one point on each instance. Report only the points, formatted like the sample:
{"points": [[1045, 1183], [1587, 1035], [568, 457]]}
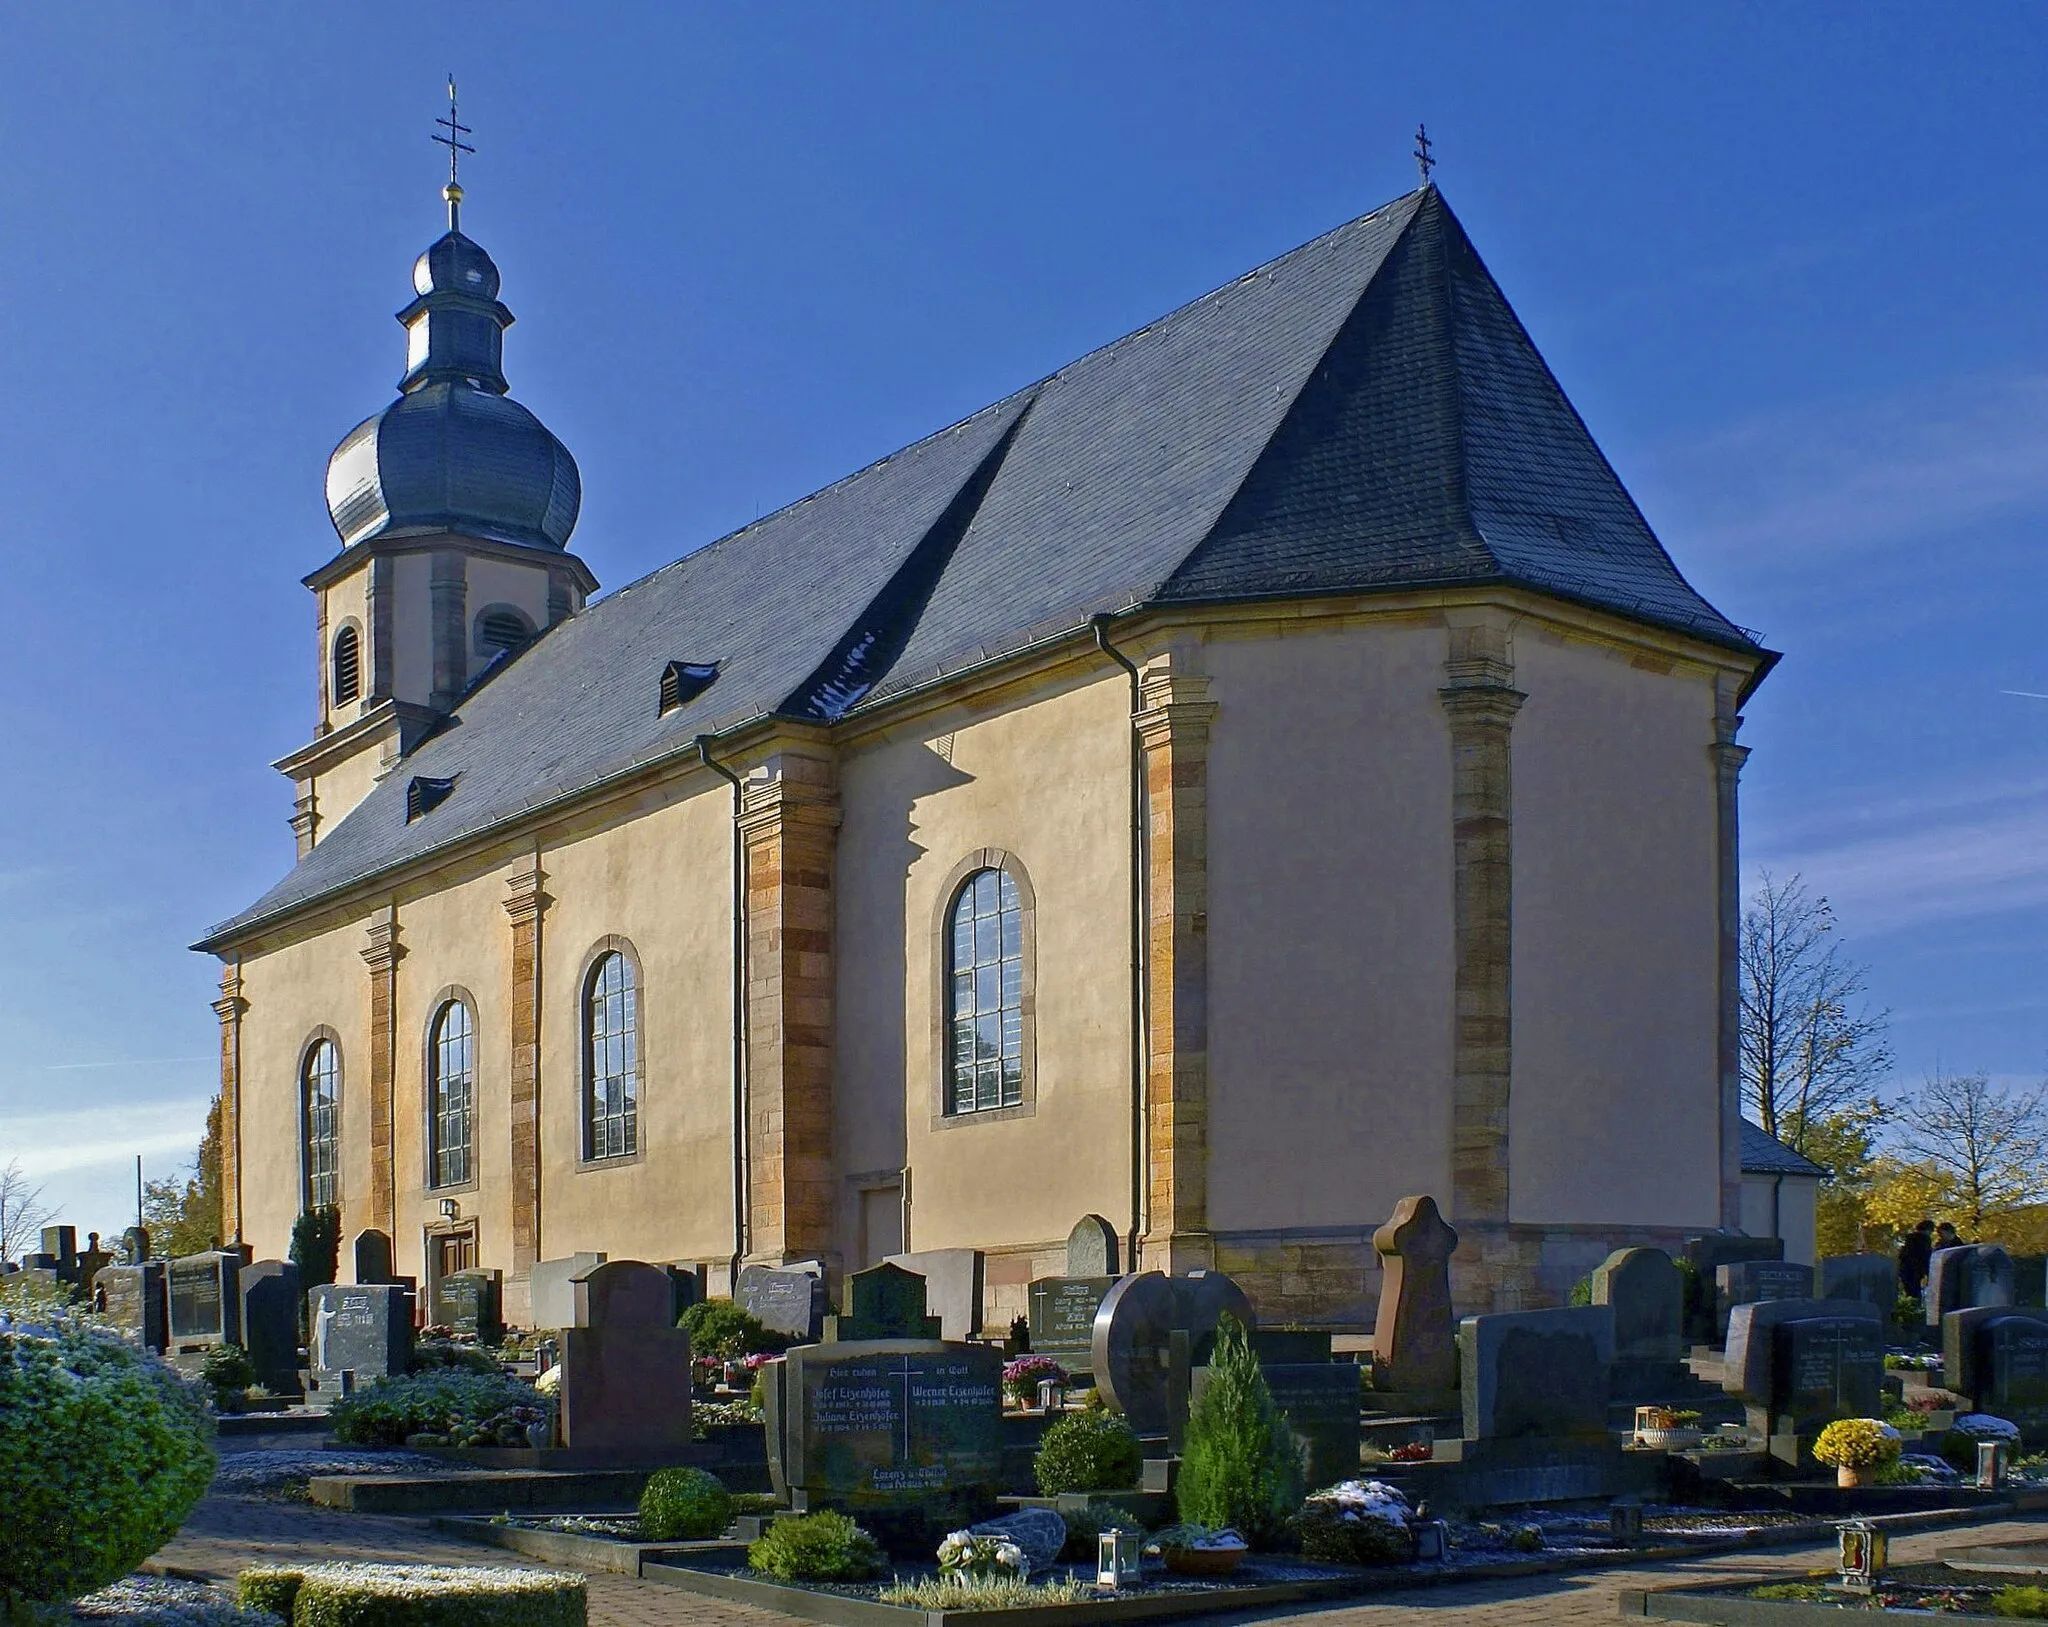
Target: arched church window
{"points": [[500, 627], [985, 994], [451, 1062], [320, 1087], [611, 1058], [348, 666]]}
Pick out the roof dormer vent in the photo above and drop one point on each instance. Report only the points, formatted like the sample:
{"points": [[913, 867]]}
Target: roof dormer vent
{"points": [[424, 795], [682, 682]]}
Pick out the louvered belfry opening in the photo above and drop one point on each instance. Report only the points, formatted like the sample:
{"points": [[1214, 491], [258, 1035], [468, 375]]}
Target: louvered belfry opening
{"points": [[348, 666], [501, 630]]}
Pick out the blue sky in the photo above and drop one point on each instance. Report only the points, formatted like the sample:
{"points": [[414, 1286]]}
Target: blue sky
{"points": [[1787, 261]]}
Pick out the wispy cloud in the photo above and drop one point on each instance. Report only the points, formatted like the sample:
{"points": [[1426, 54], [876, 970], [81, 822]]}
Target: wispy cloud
{"points": [[165, 1133], [125, 1062]]}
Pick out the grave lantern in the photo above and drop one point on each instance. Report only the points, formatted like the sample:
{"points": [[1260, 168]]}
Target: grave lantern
{"points": [[1432, 1538], [1117, 1558], [1992, 1460], [1625, 1522], [1862, 1555], [1052, 1395]]}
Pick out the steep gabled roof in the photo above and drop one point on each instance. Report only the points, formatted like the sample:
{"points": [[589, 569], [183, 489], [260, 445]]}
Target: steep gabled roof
{"points": [[1365, 413], [1765, 1154]]}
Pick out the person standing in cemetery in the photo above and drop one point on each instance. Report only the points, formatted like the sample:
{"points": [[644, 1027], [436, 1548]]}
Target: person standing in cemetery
{"points": [[1914, 1253], [1946, 1236]]}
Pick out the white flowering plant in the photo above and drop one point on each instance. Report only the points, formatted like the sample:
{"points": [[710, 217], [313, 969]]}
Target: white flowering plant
{"points": [[963, 1553]]}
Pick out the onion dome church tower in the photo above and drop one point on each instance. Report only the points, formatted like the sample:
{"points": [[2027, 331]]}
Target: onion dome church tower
{"points": [[454, 506]]}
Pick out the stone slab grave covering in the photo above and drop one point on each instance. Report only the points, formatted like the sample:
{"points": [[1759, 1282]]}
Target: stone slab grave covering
{"points": [[1997, 1355], [1151, 1332], [132, 1297], [1706, 1254], [953, 1287], [203, 1291], [363, 1329], [1872, 1278], [471, 1305], [626, 1368], [1741, 1282], [1093, 1249], [1798, 1364], [1414, 1338], [551, 1285], [789, 1300], [271, 1302], [885, 1301], [1540, 1374], [1959, 1279]]}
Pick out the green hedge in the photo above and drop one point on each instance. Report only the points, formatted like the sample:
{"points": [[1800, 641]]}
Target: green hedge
{"points": [[1093, 1450], [816, 1548], [352, 1595], [460, 1408], [722, 1328], [684, 1505], [103, 1452]]}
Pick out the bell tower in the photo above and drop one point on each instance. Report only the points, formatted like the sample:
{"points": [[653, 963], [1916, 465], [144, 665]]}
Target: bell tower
{"points": [[454, 506]]}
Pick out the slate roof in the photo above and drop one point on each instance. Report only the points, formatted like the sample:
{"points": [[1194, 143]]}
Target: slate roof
{"points": [[1364, 413], [1766, 1155]]}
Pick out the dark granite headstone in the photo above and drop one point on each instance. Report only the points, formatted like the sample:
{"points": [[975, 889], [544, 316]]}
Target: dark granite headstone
{"points": [[132, 1298], [1997, 1355], [270, 1323], [1537, 1373], [1872, 1278], [891, 1424], [1824, 1368], [1706, 1255], [471, 1304], [1150, 1331], [1062, 1312], [790, 1302], [371, 1252], [1414, 1335], [2030, 1280], [1965, 1277], [883, 1302], [205, 1301], [1321, 1402], [686, 1286], [60, 1250], [626, 1368], [1743, 1282], [1647, 1295], [360, 1328], [1092, 1249]]}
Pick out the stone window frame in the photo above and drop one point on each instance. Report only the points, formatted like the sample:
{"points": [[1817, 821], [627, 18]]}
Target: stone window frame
{"points": [[610, 944], [449, 994], [349, 624], [942, 1115], [483, 651], [320, 1035]]}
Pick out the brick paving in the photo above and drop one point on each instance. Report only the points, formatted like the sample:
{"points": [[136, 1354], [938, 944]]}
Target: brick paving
{"points": [[227, 1534]]}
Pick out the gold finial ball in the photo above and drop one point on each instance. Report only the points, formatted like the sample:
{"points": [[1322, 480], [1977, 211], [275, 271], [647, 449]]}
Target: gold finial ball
{"points": [[452, 192]]}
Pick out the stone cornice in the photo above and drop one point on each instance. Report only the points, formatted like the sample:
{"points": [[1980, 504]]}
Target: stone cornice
{"points": [[524, 899], [383, 951], [384, 720], [427, 542]]}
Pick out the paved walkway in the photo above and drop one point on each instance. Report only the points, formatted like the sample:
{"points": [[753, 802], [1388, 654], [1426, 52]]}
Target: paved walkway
{"points": [[227, 1534]]}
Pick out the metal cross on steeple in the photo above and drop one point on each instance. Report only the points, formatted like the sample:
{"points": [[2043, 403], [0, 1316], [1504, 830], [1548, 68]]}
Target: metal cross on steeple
{"points": [[456, 148], [1423, 162]]}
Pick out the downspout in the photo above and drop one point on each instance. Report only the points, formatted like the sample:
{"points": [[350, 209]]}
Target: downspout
{"points": [[1099, 624], [740, 1172], [1777, 1209]]}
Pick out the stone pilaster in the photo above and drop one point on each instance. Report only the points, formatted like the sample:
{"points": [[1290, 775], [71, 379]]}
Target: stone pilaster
{"points": [[448, 604], [305, 821], [382, 953], [789, 820], [561, 594], [229, 1008], [383, 664], [1479, 696], [1728, 759], [1173, 731], [525, 903]]}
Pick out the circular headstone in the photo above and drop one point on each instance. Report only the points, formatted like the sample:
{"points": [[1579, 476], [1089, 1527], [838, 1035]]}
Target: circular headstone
{"points": [[1205, 1298], [1133, 1332], [1091, 1248]]}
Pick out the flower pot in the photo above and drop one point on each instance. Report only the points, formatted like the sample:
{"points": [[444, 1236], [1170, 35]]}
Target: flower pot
{"points": [[1849, 1478], [1674, 1439], [1203, 1561]]}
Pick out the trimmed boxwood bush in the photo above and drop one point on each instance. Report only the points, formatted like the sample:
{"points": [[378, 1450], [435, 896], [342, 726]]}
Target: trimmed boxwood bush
{"points": [[684, 1504], [1086, 1525], [429, 1355], [821, 1547], [721, 1328], [361, 1595], [103, 1452], [1240, 1467], [460, 1408], [1092, 1450]]}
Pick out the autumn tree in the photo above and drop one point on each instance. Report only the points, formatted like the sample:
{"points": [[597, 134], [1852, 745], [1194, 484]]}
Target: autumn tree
{"points": [[1810, 1045], [183, 1214], [1983, 1141], [1846, 1144]]}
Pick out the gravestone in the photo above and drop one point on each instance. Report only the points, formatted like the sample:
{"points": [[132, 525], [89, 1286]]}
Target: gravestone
{"points": [[1150, 1332], [1092, 1249], [371, 1253], [359, 1328], [888, 1424], [789, 1301], [1646, 1292], [2030, 1280], [471, 1304], [952, 1286], [1062, 1318], [1797, 1364], [883, 1302], [1707, 1254], [1872, 1278], [1320, 1401], [60, 1252], [1742, 1282], [92, 1259], [625, 1393], [1541, 1374], [206, 1304], [551, 1285], [135, 1245], [1997, 1355], [686, 1286], [132, 1298], [270, 1323], [1962, 1278], [1414, 1337]]}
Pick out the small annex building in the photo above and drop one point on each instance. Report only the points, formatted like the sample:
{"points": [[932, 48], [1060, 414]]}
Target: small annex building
{"points": [[1266, 767]]}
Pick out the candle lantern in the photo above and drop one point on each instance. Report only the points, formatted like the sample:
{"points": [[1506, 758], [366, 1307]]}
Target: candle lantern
{"points": [[1862, 1555], [1993, 1459], [1117, 1558]]}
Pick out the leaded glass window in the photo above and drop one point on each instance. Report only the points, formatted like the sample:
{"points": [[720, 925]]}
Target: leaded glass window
{"points": [[452, 1056], [985, 995], [322, 1087], [611, 1059]]}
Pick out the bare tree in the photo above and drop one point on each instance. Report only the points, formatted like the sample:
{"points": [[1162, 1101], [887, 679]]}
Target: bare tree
{"points": [[23, 1214], [1809, 1045], [1988, 1141]]}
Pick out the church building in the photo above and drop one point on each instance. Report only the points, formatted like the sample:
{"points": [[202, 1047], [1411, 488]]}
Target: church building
{"points": [[1266, 767]]}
